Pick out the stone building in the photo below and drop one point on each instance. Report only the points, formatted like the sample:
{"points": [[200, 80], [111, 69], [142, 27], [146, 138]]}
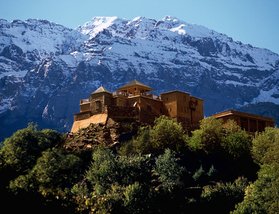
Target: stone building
{"points": [[249, 122], [134, 102]]}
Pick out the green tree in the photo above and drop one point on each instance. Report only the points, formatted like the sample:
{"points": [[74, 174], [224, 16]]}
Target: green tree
{"points": [[236, 143], [216, 136], [114, 184], [266, 146], [134, 169], [167, 133], [169, 172], [208, 137], [103, 171], [262, 195], [54, 174], [141, 144], [134, 198], [222, 197], [199, 174], [21, 150]]}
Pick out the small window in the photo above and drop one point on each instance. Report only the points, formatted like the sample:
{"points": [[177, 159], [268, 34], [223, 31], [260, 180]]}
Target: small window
{"points": [[98, 105], [244, 123], [261, 125]]}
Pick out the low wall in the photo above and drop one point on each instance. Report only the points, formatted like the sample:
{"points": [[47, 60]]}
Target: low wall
{"points": [[95, 119]]}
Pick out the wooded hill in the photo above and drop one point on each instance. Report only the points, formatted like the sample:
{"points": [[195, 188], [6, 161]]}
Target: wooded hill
{"points": [[218, 168]]}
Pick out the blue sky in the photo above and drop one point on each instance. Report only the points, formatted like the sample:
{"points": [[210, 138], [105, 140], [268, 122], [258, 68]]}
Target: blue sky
{"points": [[250, 21]]}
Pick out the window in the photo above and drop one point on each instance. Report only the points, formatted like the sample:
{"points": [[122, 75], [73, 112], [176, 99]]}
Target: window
{"points": [[261, 125], [253, 125], [244, 123], [98, 104]]}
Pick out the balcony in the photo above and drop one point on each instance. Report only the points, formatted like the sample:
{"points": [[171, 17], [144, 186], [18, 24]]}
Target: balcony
{"points": [[84, 101], [124, 94]]}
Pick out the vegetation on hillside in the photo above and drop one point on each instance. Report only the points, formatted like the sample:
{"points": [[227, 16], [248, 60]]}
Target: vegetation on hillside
{"points": [[219, 168]]}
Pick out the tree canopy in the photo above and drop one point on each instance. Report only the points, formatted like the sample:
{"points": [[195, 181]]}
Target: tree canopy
{"points": [[218, 168]]}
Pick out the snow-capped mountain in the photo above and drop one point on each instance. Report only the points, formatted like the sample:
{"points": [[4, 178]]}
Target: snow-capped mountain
{"points": [[45, 68]]}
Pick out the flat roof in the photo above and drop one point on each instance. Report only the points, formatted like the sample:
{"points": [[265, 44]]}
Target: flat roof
{"points": [[175, 91], [241, 114], [134, 83], [182, 92]]}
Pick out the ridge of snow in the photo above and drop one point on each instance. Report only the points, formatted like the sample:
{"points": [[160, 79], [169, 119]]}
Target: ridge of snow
{"points": [[138, 41], [176, 25], [96, 25], [42, 35]]}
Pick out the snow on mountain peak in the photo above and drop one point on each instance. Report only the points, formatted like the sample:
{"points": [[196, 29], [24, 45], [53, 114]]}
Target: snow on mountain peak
{"points": [[168, 29], [41, 35], [143, 21], [140, 25], [176, 25], [170, 19], [97, 24]]}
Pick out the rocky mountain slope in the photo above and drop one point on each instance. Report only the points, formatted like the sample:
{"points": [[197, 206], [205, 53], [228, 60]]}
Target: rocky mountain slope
{"points": [[45, 68]]}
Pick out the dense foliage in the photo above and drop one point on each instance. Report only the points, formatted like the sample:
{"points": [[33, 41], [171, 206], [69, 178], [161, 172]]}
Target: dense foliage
{"points": [[219, 168], [262, 195]]}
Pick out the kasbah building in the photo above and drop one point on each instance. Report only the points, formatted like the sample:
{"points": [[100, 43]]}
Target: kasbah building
{"points": [[135, 102]]}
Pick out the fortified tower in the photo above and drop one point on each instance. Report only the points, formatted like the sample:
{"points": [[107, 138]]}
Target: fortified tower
{"points": [[134, 102]]}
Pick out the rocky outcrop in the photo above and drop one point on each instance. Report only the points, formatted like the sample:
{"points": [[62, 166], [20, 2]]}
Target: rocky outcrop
{"points": [[109, 135]]}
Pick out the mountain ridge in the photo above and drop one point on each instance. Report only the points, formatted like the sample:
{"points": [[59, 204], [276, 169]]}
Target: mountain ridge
{"points": [[45, 68]]}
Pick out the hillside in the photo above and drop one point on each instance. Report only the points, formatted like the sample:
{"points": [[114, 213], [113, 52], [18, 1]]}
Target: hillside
{"points": [[217, 169], [46, 68]]}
